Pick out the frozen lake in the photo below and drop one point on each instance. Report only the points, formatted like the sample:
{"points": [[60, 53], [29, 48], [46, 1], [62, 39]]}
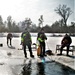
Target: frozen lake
{"points": [[15, 64], [51, 42]]}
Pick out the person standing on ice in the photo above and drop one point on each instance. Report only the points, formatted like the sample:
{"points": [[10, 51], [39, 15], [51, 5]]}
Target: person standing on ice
{"points": [[26, 41], [41, 38], [9, 39]]}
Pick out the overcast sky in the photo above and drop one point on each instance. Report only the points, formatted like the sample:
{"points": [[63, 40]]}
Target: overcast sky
{"points": [[20, 9]]}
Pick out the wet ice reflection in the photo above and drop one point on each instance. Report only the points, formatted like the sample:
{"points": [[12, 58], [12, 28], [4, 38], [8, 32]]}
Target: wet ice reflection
{"points": [[52, 68], [33, 69]]}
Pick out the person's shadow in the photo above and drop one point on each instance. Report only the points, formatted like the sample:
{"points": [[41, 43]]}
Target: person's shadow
{"points": [[40, 69], [27, 69], [12, 47]]}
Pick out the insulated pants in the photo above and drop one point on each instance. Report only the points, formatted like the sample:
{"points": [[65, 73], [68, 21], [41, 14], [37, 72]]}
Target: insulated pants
{"points": [[63, 47], [42, 45], [8, 39], [29, 47]]}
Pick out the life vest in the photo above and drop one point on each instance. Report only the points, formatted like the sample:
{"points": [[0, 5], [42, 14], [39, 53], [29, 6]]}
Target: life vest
{"points": [[42, 38], [26, 37]]}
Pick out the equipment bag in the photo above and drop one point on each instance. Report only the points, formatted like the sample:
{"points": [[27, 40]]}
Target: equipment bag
{"points": [[38, 51]]}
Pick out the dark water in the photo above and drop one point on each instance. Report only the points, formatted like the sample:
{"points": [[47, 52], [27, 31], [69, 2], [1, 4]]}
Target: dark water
{"points": [[51, 68]]}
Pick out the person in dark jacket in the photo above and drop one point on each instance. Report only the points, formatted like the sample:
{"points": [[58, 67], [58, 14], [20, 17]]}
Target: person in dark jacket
{"points": [[26, 41], [9, 38], [41, 38], [66, 41]]}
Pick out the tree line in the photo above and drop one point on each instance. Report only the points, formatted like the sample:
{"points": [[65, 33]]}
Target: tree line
{"points": [[59, 26]]}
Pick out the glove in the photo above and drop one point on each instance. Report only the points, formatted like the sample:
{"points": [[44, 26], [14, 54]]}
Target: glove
{"points": [[22, 43]]}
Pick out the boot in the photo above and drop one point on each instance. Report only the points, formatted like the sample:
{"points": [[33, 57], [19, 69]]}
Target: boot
{"points": [[32, 56]]}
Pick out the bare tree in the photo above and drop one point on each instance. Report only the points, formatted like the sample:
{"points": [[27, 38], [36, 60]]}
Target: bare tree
{"points": [[1, 20], [64, 12], [28, 22], [9, 22], [41, 21]]}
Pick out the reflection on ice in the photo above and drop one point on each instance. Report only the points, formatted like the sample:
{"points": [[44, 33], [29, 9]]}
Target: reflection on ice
{"points": [[12, 61]]}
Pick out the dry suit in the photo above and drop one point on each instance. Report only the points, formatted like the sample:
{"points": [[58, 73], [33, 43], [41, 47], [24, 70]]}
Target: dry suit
{"points": [[9, 38], [66, 41], [41, 38], [26, 41]]}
